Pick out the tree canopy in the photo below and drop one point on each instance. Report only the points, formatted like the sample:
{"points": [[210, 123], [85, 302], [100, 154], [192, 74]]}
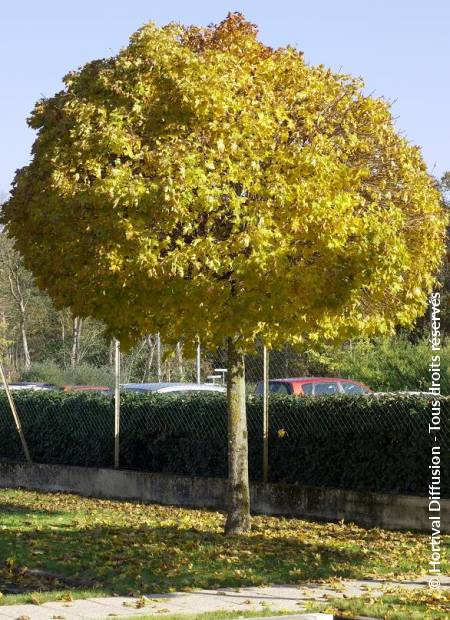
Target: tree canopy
{"points": [[202, 184]]}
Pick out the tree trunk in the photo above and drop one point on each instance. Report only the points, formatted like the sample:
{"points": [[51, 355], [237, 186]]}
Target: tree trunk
{"points": [[17, 363], [149, 358], [24, 335], [111, 354], [26, 350], [180, 361], [238, 518], [76, 339], [63, 337]]}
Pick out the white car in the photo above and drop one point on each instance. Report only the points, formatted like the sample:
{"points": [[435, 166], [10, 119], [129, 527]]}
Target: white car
{"points": [[30, 385], [172, 388]]}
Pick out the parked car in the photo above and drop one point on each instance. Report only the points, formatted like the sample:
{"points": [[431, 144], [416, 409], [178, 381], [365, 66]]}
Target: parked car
{"points": [[405, 393], [172, 388], [86, 388], [314, 386], [30, 385]]}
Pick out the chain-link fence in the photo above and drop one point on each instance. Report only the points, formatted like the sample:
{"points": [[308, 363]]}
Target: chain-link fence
{"points": [[324, 428]]}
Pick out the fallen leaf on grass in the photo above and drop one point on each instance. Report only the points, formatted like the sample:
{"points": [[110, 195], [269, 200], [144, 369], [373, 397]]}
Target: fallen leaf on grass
{"points": [[139, 604], [277, 550]]}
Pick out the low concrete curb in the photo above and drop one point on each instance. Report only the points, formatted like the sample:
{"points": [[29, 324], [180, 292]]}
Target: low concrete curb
{"points": [[367, 509]]}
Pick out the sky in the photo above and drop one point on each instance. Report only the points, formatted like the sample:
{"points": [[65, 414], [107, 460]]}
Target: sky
{"points": [[401, 48]]}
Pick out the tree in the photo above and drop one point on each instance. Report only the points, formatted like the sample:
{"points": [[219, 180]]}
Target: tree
{"points": [[203, 185], [77, 324], [444, 275], [19, 287]]}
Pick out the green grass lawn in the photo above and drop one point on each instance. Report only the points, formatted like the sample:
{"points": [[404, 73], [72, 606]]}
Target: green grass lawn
{"points": [[411, 605], [107, 547], [388, 607]]}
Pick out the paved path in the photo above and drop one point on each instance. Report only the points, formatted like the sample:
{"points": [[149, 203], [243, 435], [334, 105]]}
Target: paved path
{"points": [[276, 598]]}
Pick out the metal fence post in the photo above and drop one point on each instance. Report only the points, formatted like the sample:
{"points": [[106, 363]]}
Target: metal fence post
{"points": [[15, 415], [116, 403], [158, 357], [265, 414], [199, 356]]}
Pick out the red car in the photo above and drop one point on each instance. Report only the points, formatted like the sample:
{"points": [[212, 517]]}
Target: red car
{"points": [[86, 388], [314, 386]]}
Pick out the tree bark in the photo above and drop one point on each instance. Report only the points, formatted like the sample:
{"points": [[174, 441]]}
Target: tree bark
{"points": [[111, 354], [26, 350], [238, 518], [180, 361], [76, 339], [149, 358], [15, 287], [63, 336]]}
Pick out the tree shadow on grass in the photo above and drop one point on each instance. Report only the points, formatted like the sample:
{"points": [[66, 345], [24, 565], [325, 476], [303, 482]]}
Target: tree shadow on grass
{"points": [[11, 509], [134, 560]]}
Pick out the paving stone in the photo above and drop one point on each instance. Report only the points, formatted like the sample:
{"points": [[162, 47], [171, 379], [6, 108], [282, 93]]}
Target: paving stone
{"points": [[279, 598], [35, 612]]}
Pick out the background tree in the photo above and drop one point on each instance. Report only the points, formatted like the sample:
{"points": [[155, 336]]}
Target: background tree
{"points": [[444, 275], [201, 184], [18, 290]]}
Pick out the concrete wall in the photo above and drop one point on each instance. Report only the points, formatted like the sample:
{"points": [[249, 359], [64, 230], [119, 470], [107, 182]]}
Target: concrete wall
{"points": [[367, 509]]}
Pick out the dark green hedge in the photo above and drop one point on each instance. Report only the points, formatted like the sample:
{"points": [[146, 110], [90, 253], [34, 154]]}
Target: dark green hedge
{"points": [[378, 444]]}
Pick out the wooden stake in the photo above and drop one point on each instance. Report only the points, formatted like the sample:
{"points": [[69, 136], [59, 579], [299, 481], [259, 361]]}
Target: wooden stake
{"points": [[15, 415]]}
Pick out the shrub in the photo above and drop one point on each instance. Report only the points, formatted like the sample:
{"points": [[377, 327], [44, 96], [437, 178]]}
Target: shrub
{"points": [[83, 374], [389, 364], [365, 443]]}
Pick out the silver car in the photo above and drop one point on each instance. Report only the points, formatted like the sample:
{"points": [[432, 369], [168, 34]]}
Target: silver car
{"points": [[172, 388]]}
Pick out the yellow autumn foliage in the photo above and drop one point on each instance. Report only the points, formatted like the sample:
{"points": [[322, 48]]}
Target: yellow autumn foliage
{"points": [[200, 183]]}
